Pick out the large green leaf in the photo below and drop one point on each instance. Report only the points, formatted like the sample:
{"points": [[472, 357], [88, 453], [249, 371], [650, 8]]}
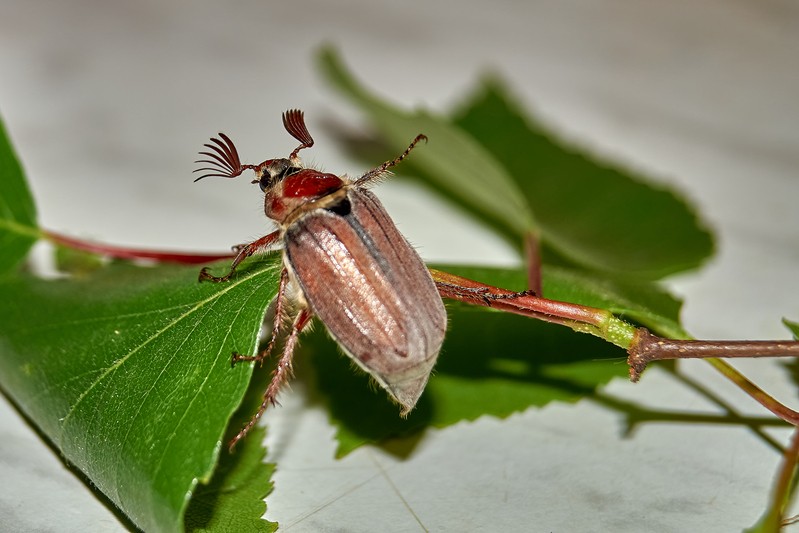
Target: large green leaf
{"points": [[596, 213], [502, 166], [127, 371], [18, 230], [494, 363]]}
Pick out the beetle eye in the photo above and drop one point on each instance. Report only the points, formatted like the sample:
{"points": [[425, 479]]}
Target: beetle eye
{"points": [[266, 181]]}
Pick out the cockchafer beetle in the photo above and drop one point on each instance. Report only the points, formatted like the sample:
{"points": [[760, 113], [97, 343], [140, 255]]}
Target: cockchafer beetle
{"points": [[345, 262]]}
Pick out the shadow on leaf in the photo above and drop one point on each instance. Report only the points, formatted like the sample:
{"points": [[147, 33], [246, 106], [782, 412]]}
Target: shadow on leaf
{"points": [[491, 364]]}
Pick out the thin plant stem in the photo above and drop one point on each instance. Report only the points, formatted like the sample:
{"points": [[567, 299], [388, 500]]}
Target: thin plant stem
{"points": [[122, 252], [783, 490]]}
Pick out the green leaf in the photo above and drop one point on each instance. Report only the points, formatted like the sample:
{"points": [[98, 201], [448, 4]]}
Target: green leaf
{"points": [[508, 170], [18, 229], [793, 326], [452, 159], [127, 371], [494, 363], [593, 212], [234, 499], [639, 301]]}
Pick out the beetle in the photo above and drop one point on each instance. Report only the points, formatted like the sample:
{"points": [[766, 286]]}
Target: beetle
{"points": [[345, 262]]}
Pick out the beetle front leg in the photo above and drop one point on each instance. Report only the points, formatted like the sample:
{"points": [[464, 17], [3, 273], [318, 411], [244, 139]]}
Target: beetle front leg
{"points": [[260, 246], [376, 173]]}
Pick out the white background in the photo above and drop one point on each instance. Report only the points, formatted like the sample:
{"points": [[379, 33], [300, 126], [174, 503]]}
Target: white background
{"points": [[108, 102]]}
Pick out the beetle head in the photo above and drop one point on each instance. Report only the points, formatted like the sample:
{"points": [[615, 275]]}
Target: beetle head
{"points": [[272, 171], [223, 158]]}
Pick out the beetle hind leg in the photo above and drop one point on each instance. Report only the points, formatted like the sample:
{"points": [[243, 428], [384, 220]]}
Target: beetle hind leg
{"points": [[282, 373]]}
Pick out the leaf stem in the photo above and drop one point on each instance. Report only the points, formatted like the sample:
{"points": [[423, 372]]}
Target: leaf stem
{"points": [[121, 252], [758, 394], [21, 229], [783, 489]]}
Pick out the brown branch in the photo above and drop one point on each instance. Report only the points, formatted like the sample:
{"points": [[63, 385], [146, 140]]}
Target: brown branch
{"points": [[642, 346], [647, 348]]}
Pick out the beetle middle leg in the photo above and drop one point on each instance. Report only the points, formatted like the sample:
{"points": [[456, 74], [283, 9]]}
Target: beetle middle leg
{"points": [[259, 246], [277, 322], [281, 374]]}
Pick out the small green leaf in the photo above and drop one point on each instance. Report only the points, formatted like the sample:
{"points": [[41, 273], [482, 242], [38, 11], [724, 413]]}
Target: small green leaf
{"points": [[18, 228], [494, 363], [452, 159], [793, 326], [234, 500], [127, 371], [595, 213]]}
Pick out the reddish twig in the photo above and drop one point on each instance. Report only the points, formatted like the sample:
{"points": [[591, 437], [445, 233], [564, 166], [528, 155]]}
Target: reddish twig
{"points": [[122, 252]]}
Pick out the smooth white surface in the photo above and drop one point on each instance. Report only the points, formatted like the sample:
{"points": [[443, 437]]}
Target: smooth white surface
{"points": [[107, 104]]}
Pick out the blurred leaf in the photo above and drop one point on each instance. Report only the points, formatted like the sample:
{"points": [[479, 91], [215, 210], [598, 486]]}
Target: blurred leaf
{"points": [[452, 159], [502, 166], [793, 326], [494, 363], [596, 213], [127, 371], [77, 262], [18, 229]]}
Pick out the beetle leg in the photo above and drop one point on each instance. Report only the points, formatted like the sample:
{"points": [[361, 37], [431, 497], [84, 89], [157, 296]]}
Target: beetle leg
{"points": [[379, 171], [481, 294], [511, 296], [279, 302], [260, 246], [282, 373]]}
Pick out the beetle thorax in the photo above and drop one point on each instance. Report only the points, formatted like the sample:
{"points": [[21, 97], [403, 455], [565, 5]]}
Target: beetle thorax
{"points": [[300, 191]]}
